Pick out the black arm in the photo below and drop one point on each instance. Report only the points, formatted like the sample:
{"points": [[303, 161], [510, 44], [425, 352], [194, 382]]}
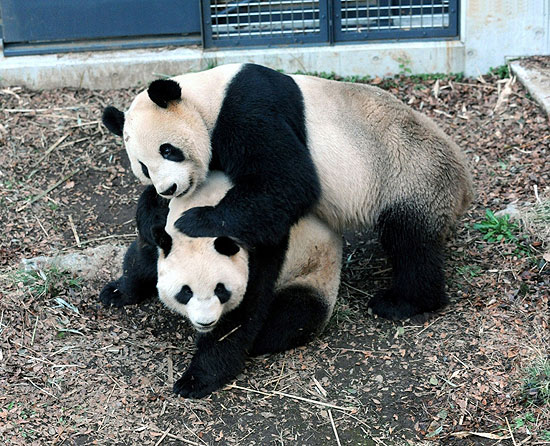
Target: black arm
{"points": [[221, 354]]}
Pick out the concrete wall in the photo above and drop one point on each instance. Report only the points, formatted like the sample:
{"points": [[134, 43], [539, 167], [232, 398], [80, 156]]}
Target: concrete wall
{"points": [[491, 31], [495, 30]]}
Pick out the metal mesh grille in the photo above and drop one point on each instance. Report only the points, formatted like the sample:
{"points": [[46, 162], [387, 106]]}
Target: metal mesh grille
{"points": [[264, 19], [362, 16]]}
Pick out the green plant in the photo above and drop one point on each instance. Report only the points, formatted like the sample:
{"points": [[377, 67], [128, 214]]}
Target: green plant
{"points": [[502, 71], [404, 63], [536, 386], [469, 270], [497, 229], [523, 420], [49, 282]]}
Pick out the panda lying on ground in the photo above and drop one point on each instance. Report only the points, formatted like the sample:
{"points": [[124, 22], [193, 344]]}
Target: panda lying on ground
{"points": [[230, 294], [351, 153]]}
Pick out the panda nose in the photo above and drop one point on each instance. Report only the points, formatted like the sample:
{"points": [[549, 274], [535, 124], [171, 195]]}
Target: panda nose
{"points": [[170, 190]]}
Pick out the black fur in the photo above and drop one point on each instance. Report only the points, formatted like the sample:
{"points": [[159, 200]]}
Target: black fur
{"points": [[415, 249], [216, 362], [163, 91], [260, 142], [296, 316], [267, 322], [162, 239], [226, 246], [113, 119], [139, 273]]}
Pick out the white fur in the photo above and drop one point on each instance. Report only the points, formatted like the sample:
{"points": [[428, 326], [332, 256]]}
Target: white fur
{"points": [[313, 259], [369, 149]]}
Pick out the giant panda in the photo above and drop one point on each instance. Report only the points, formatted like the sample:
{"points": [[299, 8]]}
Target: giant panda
{"points": [[352, 154], [215, 283]]}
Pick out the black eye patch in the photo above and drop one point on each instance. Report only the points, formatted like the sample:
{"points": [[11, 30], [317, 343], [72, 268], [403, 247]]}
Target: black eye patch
{"points": [[144, 170], [185, 295], [171, 153], [222, 292]]}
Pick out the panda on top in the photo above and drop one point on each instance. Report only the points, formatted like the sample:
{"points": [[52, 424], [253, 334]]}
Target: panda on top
{"points": [[291, 144], [217, 284]]}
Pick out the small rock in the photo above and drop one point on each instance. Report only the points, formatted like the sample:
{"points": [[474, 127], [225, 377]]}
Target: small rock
{"points": [[510, 210], [84, 263]]}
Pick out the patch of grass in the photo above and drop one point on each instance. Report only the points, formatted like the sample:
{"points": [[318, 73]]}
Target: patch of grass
{"points": [[49, 282], [502, 71], [336, 77], [469, 271], [496, 229], [536, 386], [524, 420], [404, 67]]}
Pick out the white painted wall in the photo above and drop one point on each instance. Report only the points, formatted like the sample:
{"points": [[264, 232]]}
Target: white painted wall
{"points": [[491, 31]]}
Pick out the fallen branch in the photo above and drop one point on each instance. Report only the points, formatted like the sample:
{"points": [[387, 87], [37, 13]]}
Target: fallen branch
{"points": [[287, 395], [49, 189]]}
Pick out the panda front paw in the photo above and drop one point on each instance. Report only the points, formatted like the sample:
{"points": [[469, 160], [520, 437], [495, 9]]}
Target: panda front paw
{"points": [[195, 385], [200, 222], [111, 296]]}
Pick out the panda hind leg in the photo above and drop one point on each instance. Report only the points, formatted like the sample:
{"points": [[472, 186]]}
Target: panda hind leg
{"points": [[297, 314], [414, 245], [139, 278]]}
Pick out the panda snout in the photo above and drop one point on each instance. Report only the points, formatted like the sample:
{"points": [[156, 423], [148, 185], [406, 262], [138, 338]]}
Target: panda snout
{"points": [[170, 191]]}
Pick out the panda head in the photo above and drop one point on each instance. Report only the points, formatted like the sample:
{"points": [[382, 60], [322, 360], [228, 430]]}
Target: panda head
{"points": [[165, 137], [200, 278]]}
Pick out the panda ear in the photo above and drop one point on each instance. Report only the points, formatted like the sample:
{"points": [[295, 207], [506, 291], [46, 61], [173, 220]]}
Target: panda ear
{"points": [[226, 246], [162, 239], [162, 91], [113, 119]]}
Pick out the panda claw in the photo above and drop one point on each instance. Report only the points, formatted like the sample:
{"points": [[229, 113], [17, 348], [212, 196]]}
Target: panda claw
{"points": [[111, 296]]}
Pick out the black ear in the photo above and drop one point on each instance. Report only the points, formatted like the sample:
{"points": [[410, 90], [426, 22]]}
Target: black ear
{"points": [[162, 239], [162, 91], [226, 246], [113, 120]]}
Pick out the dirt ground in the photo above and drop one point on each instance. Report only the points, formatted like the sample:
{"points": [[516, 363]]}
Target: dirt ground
{"points": [[74, 373]]}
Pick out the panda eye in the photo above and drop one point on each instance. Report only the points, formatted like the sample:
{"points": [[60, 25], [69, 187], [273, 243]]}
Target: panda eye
{"points": [[222, 292], [144, 170], [171, 153], [185, 295]]}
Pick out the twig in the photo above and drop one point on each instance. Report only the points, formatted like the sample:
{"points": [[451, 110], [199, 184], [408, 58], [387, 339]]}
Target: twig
{"points": [[355, 289], [163, 436], [174, 437], [39, 388], [511, 433], [334, 428], [34, 331], [42, 227], [230, 333], [424, 329], [97, 239], [107, 402], [73, 228], [35, 110], [287, 395], [49, 189]]}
